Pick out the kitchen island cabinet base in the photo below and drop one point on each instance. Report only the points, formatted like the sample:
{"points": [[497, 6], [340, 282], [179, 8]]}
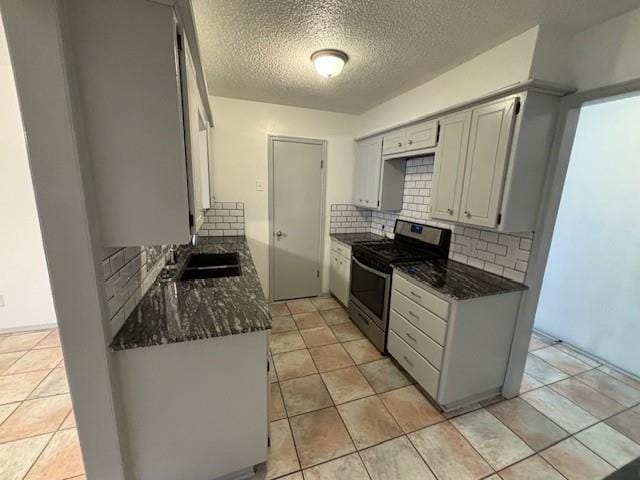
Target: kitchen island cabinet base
{"points": [[196, 410]]}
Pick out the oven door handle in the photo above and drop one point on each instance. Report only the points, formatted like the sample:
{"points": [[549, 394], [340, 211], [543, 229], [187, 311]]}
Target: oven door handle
{"points": [[369, 269]]}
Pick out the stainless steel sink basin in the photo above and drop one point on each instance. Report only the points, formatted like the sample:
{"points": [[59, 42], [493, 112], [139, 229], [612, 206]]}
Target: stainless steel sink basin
{"points": [[211, 265]]}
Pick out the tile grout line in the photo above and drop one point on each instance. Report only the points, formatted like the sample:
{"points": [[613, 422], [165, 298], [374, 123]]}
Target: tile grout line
{"points": [[535, 452]]}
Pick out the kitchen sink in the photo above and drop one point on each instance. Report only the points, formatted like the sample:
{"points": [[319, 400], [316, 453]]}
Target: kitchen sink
{"points": [[211, 265]]}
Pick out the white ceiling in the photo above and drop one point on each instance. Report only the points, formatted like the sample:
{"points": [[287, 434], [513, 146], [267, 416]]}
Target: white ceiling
{"points": [[259, 49]]}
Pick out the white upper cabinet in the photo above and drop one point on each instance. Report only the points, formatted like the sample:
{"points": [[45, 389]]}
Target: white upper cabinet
{"points": [[422, 135], [196, 131], [374, 160], [394, 142], [487, 152], [377, 183], [491, 161], [360, 174], [127, 66], [366, 185], [417, 139], [449, 169]]}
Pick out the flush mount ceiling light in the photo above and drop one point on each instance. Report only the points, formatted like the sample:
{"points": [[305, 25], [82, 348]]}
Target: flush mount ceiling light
{"points": [[329, 63]]}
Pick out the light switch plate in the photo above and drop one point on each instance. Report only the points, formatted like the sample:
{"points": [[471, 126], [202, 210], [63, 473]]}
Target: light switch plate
{"points": [[259, 185]]}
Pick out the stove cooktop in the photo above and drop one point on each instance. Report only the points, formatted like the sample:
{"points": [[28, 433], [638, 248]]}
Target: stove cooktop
{"points": [[392, 251]]}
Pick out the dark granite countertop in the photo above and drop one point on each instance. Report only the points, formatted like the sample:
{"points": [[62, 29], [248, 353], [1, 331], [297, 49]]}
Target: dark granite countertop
{"points": [[351, 238], [173, 311], [457, 280]]}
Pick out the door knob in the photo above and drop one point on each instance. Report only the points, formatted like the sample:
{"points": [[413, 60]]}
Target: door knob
{"points": [[278, 233]]}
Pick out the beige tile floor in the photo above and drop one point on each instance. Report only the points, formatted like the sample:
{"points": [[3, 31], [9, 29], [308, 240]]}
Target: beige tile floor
{"points": [[38, 438], [342, 411]]}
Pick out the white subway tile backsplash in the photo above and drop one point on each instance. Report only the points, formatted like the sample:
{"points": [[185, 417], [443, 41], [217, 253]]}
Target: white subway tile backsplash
{"points": [[502, 254], [223, 219], [349, 219], [131, 272]]}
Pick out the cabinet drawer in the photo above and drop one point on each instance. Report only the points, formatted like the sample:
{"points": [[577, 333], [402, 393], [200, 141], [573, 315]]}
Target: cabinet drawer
{"points": [[419, 317], [422, 135], [421, 297], [412, 362], [393, 142], [341, 249], [424, 345]]}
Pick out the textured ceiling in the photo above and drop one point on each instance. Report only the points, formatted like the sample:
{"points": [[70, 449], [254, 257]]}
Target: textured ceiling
{"points": [[260, 49]]}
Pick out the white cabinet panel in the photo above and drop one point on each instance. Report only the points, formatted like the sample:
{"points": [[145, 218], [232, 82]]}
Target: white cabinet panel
{"points": [[377, 183], [360, 175], [191, 111], [488, 150], [394, 142], [420, 342], [423, 135], [449, 166], [340, 272], [420, 296], [426, 321], [374, 159], [424, 373]]}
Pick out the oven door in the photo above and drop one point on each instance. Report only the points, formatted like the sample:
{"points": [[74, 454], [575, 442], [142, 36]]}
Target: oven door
{"points": [[370, 290]]}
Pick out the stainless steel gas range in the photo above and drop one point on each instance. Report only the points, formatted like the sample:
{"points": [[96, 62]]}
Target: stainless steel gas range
{"points": [[371, 268]]}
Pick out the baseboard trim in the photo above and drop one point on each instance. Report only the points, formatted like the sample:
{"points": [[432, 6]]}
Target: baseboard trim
{"points": [[30, 328]]}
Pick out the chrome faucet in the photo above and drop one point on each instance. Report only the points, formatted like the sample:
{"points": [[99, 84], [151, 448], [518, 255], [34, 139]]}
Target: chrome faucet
{"points": [[172, 257]]}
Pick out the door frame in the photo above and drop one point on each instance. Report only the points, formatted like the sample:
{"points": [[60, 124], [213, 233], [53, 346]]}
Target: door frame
{"points": [[271, 138], [559, 158]]}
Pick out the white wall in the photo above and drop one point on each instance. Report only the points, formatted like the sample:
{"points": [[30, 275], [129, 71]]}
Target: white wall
{"points": [[607, 53], [240, 159], [501, 66], [590, 294], [24, 280]]}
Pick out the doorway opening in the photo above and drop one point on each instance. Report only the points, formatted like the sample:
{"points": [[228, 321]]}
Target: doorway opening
{"points": [[38, 435], [297, 178], [589, 304]]}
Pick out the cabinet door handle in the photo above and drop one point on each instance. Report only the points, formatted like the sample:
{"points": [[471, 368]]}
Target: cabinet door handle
{"points": [[414, 315], [410, 337], [399, 144], [467, 213], [450, 211], [415, 295], [407, 360], [410, 142]]}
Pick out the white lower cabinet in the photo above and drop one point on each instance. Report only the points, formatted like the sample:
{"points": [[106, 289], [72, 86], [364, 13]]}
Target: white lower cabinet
{"points": [[188, 415], [340, 273], [457, 350]]}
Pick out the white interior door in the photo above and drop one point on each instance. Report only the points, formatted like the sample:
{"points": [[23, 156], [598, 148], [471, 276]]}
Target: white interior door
{"points": [[296, 216], [489, 144]]}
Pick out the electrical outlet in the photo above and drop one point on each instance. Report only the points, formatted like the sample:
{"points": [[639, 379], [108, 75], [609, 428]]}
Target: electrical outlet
{"points": [[1, 301]]}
